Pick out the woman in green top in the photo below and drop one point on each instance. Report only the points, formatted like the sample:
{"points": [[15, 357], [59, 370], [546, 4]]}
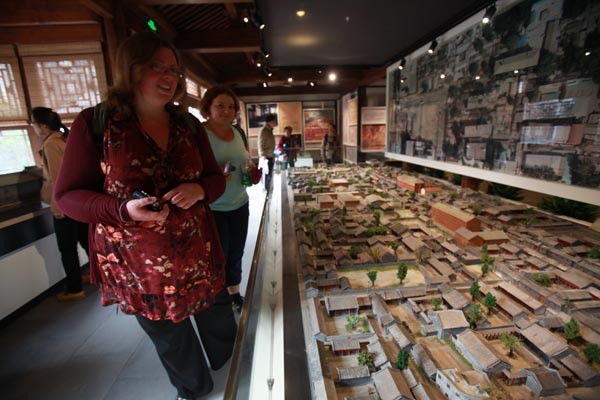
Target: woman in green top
{"points": [[221, 106]]}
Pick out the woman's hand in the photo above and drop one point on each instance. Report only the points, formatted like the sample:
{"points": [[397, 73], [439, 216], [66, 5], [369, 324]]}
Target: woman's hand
{"points": [[185, 195], [138, 212]]}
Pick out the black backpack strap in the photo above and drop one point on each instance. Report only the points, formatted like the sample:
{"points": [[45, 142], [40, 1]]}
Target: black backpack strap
{"points": [[189, 121], [242, 134]]}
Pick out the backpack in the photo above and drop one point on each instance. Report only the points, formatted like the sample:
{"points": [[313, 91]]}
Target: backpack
{"points": [[102, 113]]}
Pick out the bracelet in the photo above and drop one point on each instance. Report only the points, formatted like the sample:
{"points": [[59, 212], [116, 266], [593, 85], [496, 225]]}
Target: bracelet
{"points": [[121, 212]]}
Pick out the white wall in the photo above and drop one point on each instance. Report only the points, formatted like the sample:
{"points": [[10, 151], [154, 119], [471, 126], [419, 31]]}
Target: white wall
{"points": [[27, 272]]}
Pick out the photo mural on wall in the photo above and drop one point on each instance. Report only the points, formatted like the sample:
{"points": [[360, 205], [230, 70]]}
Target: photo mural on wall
{"points": [[518, 95]]}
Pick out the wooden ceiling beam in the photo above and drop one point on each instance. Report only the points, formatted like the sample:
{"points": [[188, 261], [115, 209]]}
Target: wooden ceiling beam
{"points": [[165, 28], [256, 75], [163, 2], [99, 7], [232, 40], [41, 12], [293, 90], [51, 34]]}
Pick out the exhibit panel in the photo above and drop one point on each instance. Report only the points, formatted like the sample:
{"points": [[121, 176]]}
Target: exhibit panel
{"points": [[517, 96]]}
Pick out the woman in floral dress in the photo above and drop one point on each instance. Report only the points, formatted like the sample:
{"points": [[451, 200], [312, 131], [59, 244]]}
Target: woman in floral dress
{"points": [[161, 266]]}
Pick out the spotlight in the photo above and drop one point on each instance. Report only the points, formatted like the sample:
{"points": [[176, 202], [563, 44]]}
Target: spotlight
{"points": [[516, 71], [320, 71], [290, 79], [332, 76], [311, 84], [259, 64], [587, 53], [263, 52], [489, 13], [477, 78], [257, 21], [432, 47], [402, 64], [442, 76], [246, 19], [269, 74], [300, 13], [265, 84]]}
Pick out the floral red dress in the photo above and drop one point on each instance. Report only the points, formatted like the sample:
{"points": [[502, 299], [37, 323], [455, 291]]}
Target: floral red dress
{"points": [[162, 271]]}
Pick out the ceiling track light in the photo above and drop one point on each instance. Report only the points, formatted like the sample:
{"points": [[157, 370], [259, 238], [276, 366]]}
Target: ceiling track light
{"points": [[489, 13], [402, 64], [300, 13], [433, 46], [257, 21], [265, 84], [311, 83]]}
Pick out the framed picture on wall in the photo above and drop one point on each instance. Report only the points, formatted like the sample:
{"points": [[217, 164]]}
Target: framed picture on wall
{"points": [[256, 114], [316, 124]]}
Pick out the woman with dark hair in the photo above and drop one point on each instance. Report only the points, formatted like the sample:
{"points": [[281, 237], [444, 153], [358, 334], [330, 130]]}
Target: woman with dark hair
{"points": [[220, 106], [145, 187], [49, 127]]}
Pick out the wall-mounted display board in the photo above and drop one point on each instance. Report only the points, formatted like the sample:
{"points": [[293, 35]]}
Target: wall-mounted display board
{"points": [[256, 114], [290, 114], [351, 126], [372, 129], [317, 123], [518, 95]]}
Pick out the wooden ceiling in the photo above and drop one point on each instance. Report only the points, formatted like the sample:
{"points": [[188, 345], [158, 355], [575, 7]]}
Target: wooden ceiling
{"points": [[216, 44]]}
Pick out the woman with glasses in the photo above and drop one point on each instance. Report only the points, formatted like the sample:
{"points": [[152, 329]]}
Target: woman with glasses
{"points": [[49, 127], [146, 186]]}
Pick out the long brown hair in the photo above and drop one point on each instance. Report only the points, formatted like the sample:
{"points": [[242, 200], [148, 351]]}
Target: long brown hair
{"points": [[133, 55]]}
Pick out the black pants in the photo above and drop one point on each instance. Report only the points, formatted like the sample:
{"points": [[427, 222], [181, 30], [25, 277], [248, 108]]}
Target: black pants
{"points": [[268, 177], [290, 158], [233, 229], [180, 351], [68, 233]]}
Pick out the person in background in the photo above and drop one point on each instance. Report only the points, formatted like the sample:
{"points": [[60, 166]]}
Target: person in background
{"points": [[157, 257], [287, 146], [266, 146], [220, 106], [49, 127], [328, 145]]}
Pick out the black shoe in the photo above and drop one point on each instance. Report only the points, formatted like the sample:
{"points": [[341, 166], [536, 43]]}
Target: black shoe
{"points": [[237, 302]]}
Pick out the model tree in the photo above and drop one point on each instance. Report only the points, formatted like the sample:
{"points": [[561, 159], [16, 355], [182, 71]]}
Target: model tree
{"points": [[511, 342], [402, 360], [353, 251], [474, 315], [490, 301], [475, 290], [352, 322], [594, 253], [592, 353], [372, 277], [402, 271], [542, 279], [365, 359], [377, 218], [572, 330], [436, 302], [486, 260]]}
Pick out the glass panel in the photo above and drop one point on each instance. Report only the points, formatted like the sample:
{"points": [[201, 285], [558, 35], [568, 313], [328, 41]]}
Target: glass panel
{"points": [[16, 151]]}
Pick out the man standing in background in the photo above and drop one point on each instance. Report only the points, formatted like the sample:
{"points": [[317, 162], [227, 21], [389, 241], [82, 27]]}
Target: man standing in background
{"points": [[266, 146]]}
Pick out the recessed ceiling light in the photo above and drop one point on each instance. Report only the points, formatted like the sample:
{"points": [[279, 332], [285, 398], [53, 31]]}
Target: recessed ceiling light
{"points": [[347, 19], [332, 76], [290, 79], [320, 71], [300, 13]]}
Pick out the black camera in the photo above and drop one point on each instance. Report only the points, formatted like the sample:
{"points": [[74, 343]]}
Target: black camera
{"points": [[140, 194]]}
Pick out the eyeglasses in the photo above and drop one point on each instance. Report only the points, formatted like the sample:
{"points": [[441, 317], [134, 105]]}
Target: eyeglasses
{"points": [[161, 69]]}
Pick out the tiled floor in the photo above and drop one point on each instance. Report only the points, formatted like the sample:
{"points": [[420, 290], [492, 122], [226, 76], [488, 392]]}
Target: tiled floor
{"points": [[81, 350]]}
